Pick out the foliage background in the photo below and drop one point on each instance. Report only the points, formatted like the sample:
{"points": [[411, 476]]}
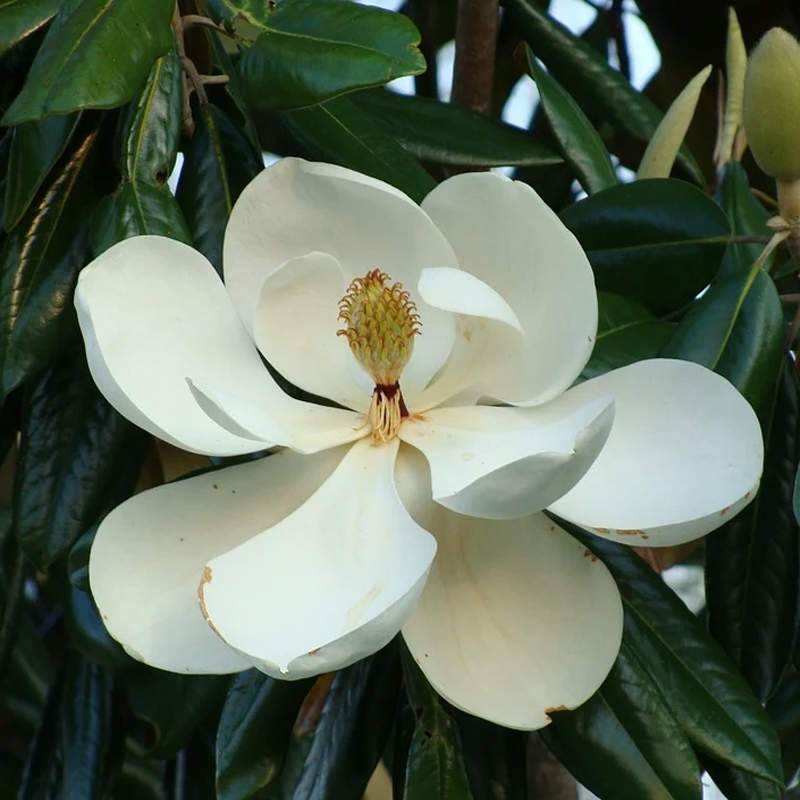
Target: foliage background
{"points": [[96, 105]]}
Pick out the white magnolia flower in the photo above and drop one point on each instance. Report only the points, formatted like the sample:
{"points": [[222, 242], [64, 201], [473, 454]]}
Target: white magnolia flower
{"points": [[402, 504]]}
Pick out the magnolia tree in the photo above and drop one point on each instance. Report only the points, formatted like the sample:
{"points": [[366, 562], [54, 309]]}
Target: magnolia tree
{"points": [[368, 473]]}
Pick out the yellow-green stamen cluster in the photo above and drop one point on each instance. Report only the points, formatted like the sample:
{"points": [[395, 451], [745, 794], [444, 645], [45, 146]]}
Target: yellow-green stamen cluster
{"points": [[381, 321]]}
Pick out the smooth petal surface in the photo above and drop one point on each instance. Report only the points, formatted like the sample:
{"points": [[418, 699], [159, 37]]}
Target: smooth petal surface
{"points": [[296, 207], [517, 619], [149, 554], [304, 427], [152, 312], [301, 298], [504, 234], [685, 454], [330, 584], [503, 463]]}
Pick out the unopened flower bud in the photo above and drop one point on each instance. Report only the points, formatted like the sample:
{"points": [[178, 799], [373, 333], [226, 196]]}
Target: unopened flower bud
{"points": [[772, 105]]}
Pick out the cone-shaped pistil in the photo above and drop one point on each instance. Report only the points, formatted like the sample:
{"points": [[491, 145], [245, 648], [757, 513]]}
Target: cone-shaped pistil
{"points": [[381, 321]]}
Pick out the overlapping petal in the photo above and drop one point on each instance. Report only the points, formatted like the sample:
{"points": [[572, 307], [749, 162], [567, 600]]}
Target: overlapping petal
{"points": [[517, 619], [504, 234], [685, 453], [296, 207], [149, 554], [502, 463], [329, 584], [152, 312]]}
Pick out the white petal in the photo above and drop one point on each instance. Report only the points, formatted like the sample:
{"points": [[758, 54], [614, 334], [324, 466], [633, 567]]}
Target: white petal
{"points": [[296, 325], [503, 463], [685, 454], [149, 554], [517, 619], [504, 234], [152, 312], [304, 427], [330, 584], [296, 207]]}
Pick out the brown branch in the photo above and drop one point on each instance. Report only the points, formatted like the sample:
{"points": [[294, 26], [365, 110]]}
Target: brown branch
{"points": [[476, 43]]}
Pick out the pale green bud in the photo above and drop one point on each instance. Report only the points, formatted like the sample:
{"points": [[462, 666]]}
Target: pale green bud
{"points": [[772, 105]]}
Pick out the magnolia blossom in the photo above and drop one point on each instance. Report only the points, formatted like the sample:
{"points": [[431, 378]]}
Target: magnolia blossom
{"points": [[435, 348]]}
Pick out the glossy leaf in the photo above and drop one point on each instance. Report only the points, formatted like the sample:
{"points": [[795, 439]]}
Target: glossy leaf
{"points": [[586, 75], [737, 330], [137, 208], [91, 59], [78, 459], [625, 741], [35, 148], [657, 241], [714, 706], [738, 785], [752, 562], [39, 264], [173, 705], [579, 142], [444, 133], [748, 218], [219, 162], [626, 332], [308, 52], [21, 18], [338, 131], [77, 749], [435, 765], [254, 732], [341, 731]]}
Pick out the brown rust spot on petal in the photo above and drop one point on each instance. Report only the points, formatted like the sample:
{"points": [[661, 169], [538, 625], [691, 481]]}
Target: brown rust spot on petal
{"points": [[311, 710], [554, 709], [632, 532], [601, 530], [589, 554], [724, 511], [204, 581]]}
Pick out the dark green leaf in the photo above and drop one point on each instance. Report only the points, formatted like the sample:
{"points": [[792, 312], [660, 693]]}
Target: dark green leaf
{"points": [[87, 632], [35, 148], [341, 731], [98, 56], [253, 733], [626, 332], [150, 127], [435, 765], [587, 76], [78, 560], [20, 18], [737, 330], [448, 134], [39, 264], [174, 705], [752, 562], [77, 749], [658, 241], [579, 142], [748, 218], [737, 785], [219, 162], [714, 706], [338, 131], [78, 459], [308, 52], [625, 741], [134, 209]]}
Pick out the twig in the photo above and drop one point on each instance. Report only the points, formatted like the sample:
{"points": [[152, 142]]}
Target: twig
{"points": [[476, 44]]}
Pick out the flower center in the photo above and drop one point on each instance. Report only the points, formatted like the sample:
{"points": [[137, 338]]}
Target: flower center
{"points": [[380, 324]]}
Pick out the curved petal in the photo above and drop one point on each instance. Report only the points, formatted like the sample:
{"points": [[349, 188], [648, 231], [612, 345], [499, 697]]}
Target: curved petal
{"points": [[303, 427], [328, 585], [296, 207], [517, 619], [302, 296], [502, 463], [504, 234], [153, 311], [685, 454], [149, 554]]}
